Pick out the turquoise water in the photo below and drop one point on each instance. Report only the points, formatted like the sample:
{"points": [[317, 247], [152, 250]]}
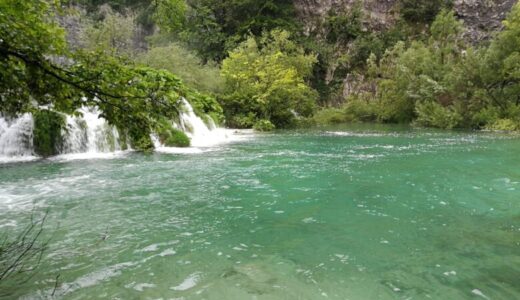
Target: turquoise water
{"points": [[333, 213]]}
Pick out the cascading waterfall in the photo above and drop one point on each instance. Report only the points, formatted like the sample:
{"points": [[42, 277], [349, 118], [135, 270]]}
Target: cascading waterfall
{"points": [[89, 134], [202, 134], [86, 134], [16, 137]]}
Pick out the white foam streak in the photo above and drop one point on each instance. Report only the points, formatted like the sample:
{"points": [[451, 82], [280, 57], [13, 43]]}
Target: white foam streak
{"points": [[203, 135], [188, 283], [16, 138], [90, 134], [200, 133], [90, 155]]}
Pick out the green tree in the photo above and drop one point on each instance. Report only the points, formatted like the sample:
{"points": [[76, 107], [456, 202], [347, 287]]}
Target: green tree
{"points": [[169, 14], [113, 34], [422, 73], [265, 80], [501, 72], [179, 60], [214, 27], [344, 26], [37, 70]]}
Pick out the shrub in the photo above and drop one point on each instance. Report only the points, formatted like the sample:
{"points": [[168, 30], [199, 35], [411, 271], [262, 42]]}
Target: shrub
{"points": [[422, 11], [140, 139], [358, 110], [142, 143], [344, 26], [263, 125], [47, 134], [504, 125], [177, 138], [432, 114], [330, 116], [485, 116], [170, 136], [241, 120]]}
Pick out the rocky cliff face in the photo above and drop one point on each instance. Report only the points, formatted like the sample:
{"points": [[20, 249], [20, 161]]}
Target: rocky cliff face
{"points": [[378, 13], [481, 17]]}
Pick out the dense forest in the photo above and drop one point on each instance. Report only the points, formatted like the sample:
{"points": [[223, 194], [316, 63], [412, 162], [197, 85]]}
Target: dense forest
{"points": [[250, 64]]}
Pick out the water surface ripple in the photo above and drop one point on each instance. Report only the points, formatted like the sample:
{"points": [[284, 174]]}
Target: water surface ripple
{"points": [[334, 213]]}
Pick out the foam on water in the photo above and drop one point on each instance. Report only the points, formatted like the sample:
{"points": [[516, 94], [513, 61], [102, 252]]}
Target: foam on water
{"points": [[90, 133], [89, 136], [188, 283], [204, 136], [16, 138], [90, 155]]}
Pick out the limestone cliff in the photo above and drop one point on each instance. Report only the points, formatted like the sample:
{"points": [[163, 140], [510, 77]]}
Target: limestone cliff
{"points": [[481, 17]]}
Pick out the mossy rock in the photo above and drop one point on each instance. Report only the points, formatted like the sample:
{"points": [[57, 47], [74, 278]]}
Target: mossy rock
{"points": [[170, 136], [177, 138], [143, 143], [47, 133], [140, 140]]}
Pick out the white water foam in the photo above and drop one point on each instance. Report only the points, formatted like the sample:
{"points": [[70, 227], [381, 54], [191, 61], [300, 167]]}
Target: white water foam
{"points": [[88, 136], [90, 155], [188, 283], [203, 135], [356, 134], [16, 138]]}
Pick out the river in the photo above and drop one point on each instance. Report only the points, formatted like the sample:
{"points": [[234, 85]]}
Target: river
{"points": [[346, 212]]}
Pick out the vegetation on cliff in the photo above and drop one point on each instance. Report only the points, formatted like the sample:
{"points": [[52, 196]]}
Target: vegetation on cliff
{"points": [[444, 82]]}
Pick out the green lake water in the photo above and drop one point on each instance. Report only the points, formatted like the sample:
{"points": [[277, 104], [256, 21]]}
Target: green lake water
{"points": [[350, 212]]}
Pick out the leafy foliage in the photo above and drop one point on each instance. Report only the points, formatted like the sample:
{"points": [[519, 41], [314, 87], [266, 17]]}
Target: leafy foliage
{"points": [[345, 26], [177, 59], [263, 125], [265, 80], [168, 14], [422, 11], [114, 34], [170, 136], [501, 68], [417, 79], [442, 82], [47, 135], [214, 27], [432, 114]]}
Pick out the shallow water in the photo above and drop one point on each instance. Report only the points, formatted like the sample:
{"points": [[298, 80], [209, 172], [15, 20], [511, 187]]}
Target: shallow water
{"points": [[350, 212]]}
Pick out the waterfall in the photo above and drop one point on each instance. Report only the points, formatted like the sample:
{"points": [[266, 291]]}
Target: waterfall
{"points": [[90, 134], [202, 134], [16, 137], [87, 134]]}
